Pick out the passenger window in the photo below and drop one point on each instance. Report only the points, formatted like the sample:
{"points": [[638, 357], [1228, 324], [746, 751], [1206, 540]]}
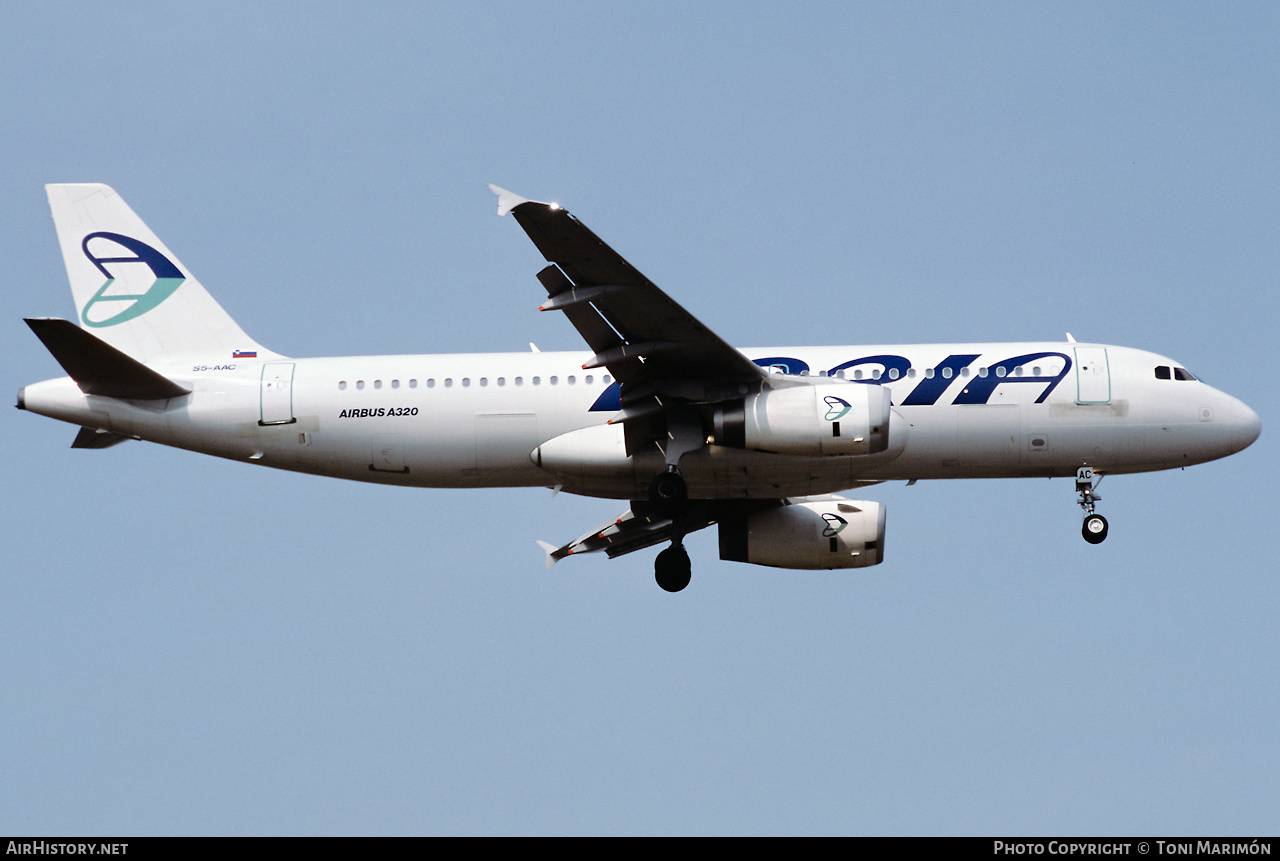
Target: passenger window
{"points": [[342, 386]]}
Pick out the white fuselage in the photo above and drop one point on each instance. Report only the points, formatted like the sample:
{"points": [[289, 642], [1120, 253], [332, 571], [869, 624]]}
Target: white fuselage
{"points": [[488, 419]]}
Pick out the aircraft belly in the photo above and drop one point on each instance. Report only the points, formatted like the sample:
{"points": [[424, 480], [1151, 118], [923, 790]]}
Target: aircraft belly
{"points": [[717, 472]]}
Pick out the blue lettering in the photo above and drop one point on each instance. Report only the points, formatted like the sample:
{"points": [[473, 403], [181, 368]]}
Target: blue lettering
{"points": [[931, 388], [610, 399], [888, 362], [786, 364], [979, 389]]}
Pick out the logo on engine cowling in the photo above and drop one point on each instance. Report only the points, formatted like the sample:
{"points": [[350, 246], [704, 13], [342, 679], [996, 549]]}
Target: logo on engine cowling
{"points": [[836, 408], [141, 288], [835, 523]]}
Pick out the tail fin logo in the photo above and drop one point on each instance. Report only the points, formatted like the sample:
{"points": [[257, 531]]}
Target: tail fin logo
{"points": [[130, 290]]}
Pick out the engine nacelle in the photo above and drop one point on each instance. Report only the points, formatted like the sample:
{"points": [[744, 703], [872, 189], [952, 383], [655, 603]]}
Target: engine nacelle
{"points": [[841, 533], [820, 419]]}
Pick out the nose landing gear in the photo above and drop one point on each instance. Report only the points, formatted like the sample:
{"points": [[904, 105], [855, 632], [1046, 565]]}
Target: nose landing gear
{"points": [[1095, 527]]}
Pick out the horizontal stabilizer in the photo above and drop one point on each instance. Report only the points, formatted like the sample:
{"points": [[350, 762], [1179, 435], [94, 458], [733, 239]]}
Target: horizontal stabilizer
{"points": [[94, 438], [99, 368]]}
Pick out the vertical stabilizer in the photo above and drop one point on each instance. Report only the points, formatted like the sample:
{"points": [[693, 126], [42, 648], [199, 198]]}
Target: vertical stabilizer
{"points": [[131, 291]]}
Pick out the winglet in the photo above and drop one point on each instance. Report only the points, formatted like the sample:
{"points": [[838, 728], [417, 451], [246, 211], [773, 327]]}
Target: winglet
{"points": [[550, 550], [507, 200]]}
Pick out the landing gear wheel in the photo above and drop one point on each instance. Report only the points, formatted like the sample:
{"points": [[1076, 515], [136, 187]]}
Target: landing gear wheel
{"points": [[672, 569], [1094, 529], [668, 492]]}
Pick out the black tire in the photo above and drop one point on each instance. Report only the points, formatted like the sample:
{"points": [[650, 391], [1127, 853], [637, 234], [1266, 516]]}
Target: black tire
{"points": [[668, 493], [672, 568], [1094, 529]]}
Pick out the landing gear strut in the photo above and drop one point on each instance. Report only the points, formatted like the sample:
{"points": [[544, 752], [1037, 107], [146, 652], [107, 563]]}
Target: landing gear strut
{"points": [[1094, 529], [668, 492], [669, 496]]}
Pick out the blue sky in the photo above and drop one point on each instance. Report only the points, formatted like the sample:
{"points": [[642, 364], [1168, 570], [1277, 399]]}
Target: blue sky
{"points": [[195, 646]]}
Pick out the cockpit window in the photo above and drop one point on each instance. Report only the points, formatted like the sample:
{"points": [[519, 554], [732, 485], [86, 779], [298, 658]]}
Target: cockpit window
{"points": [[1162, 372], [1182, 374]]}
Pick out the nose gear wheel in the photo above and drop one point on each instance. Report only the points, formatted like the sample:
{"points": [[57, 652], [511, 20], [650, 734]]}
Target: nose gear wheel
{"points": [[1095, 526]]}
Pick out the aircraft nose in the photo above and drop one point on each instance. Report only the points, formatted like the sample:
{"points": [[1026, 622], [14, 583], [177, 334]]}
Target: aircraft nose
{"points": [[1247, 426]]}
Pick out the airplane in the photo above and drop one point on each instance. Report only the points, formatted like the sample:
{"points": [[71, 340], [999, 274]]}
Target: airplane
{"points": [[659, 411]]}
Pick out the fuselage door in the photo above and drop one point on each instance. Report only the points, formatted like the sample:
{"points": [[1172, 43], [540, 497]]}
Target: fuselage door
{"points": [[277, 394], [1093, 377]]}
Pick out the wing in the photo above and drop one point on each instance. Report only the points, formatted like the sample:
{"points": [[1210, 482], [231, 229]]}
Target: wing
{"points": [[626, 533], [639, 527], [659, 352]]}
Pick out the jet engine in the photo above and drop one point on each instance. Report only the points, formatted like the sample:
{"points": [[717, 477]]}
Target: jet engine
{"points": [[829, 533], [820, 419]]}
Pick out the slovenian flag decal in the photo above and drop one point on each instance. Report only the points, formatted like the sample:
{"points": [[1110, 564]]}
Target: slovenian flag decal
{"points": [[244, 354]]}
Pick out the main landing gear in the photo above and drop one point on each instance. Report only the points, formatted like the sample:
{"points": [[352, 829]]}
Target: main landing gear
{"points": [[669, 496], [672, 568], [1094, 529], [668, 492]]}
